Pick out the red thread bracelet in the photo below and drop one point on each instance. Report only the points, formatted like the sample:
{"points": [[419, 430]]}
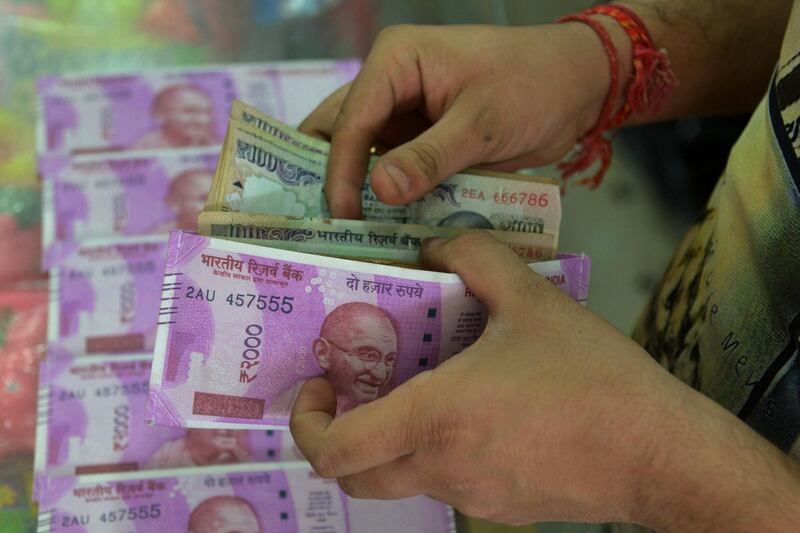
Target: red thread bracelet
{"points": [[651, 81], [594, 145], [652, 76]]}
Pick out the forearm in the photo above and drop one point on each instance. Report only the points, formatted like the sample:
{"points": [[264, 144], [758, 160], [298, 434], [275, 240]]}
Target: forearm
{"points": [[711, 472], [722, 51]]}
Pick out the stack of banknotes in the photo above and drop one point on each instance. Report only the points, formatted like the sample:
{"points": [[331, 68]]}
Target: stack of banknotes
{"points": [[196, 281], [269, 186]]}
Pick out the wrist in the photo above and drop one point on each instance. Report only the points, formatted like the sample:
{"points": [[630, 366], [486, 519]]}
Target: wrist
{"points": [[624, 56], [647, 80], [704, 469], [591, 63]]}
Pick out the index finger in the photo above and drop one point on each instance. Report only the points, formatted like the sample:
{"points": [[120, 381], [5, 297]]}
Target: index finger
{"points": [[388, 82], [319, 123], [370, 435]]}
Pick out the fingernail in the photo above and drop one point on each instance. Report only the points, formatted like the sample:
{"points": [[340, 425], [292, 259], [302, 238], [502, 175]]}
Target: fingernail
{"points": [[399, 178], [433, 242]]}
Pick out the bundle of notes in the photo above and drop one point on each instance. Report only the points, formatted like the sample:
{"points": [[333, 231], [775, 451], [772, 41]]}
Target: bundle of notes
{"points": [[270, 182]]}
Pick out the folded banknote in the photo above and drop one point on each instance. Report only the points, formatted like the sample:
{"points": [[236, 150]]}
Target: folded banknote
{"points": [[104, 297], [121, 194], [91, 420], [241, 327], [248, 114], [356, 239], [261, 173], [252, 130], [246, 498], [262, 157], [176, 107]]}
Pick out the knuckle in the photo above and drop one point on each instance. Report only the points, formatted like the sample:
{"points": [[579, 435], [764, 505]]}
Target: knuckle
{"points": [[393, 34], [493, 509], [395, 50], [437, 430], [442, 432], [341, 119], [339, 122], [441, 439], [418, 394], [488, 142], [479, 506], [429, 157], [348, 486], [471, 243], [471, 507], [325, 463]]}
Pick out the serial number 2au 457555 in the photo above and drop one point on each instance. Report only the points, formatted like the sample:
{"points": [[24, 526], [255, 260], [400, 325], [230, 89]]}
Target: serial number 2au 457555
{"points": [[125, 514], [273, 303]]}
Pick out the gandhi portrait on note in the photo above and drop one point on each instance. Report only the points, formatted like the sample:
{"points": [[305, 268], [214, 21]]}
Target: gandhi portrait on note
{"points": [[224, 514], [186, 198], [357, 349], [186, 117]]}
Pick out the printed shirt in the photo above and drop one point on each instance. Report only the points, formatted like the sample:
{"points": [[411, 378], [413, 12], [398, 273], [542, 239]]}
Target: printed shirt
{"points": [[726, 316]]}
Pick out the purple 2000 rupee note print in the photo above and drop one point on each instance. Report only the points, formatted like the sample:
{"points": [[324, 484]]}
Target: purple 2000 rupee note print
{"points": [[176, 108], [243, 326], [570, 273], [247, 498], [104, 297], [113, 196], [91, 420]]}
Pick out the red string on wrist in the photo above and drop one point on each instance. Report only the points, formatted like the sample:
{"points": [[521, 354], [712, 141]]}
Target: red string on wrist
{"points": [[652, 78], [594, 145], [651, 81]]}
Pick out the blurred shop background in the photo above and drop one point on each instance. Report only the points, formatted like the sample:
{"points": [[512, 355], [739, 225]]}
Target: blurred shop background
{"points": [[630, 226]]}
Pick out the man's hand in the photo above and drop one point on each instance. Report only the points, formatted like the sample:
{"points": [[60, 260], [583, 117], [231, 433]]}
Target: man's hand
{"points": [[452, 97], [551, 415], [456, 96], [509, 429]]}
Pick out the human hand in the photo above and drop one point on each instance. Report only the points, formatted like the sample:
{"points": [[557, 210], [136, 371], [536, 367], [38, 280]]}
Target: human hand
{"points": [[552, 414], [542, 418], [456, 96]]}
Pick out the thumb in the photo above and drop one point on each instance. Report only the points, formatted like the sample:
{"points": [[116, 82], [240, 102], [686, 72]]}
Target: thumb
{"points": [[489, 268], [370, 435], [407, 172]]}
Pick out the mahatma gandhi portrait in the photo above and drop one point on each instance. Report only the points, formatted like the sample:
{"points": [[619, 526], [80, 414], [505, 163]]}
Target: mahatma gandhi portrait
{"points": [[186, 117], [224, 514], [187, 197], [357, 349]]}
